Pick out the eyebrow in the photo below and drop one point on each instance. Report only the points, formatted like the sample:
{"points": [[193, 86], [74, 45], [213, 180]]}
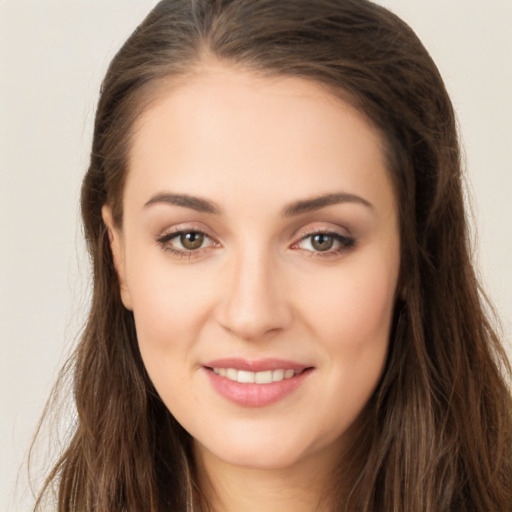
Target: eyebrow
{"points": [[316, 203], [194, 203], [296, 208]]}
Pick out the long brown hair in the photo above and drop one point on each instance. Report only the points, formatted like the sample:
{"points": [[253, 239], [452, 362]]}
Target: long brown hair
{"points": [[437, 433]]}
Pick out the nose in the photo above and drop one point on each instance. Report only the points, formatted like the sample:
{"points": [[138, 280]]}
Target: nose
{"points": [[255, 300]]}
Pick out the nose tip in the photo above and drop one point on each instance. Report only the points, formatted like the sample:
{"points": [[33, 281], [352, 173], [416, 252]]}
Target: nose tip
{"points": [[255, 303], [247, 330]]}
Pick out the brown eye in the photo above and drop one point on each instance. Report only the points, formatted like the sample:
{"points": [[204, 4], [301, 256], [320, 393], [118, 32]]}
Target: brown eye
{"points": [[322, 242], [191, 240]]}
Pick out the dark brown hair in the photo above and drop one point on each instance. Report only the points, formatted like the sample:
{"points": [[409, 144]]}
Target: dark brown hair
{"points": [[437, 432]]}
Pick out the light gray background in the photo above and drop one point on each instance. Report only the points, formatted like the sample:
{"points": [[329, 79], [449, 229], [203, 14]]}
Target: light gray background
{"points": [[53, 55]]}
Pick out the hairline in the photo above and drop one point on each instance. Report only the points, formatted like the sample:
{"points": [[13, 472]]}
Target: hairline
{"points": [[150, 94]]}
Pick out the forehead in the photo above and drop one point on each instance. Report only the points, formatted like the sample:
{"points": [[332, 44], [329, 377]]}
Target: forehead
{"points": [[225, 131]]}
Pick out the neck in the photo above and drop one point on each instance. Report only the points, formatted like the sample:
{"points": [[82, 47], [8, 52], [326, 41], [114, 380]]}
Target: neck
{"points": [[230, 488]]}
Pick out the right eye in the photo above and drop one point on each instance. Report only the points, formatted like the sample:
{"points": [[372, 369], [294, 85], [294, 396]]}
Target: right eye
{"points": [[185, 242]]}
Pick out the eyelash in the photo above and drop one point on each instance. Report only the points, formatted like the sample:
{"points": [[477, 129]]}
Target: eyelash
{"points": [[346, 243], [163, 242]]}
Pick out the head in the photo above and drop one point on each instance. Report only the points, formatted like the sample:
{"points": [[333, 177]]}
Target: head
{"points": [[354, 52]]}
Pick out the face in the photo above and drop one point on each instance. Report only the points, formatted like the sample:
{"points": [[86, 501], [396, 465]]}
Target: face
{"points": [[259, 253]]}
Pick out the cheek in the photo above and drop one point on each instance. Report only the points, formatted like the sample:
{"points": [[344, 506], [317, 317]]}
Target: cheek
{"points": [[353, 307], [167, 324], [352, 324], [165, 296], [169, 309]]}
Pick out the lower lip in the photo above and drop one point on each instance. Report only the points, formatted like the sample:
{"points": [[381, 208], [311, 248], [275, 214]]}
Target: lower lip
{"points": [[256, 395]]}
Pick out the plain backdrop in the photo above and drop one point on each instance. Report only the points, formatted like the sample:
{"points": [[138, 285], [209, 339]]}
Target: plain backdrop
{"points": [[53, 55]]}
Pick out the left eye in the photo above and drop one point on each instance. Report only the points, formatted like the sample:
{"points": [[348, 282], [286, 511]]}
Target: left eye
{"points": [[191, 240], [323, 242]]}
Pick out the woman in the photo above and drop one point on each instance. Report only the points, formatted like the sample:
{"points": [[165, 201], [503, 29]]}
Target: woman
{"points": [[284, 311]]}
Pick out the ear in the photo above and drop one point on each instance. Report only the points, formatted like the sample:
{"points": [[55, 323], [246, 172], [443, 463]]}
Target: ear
{"points": [[117, 248]]}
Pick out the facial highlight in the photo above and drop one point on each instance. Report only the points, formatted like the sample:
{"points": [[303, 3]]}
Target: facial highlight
{"points": [[259, 254]]}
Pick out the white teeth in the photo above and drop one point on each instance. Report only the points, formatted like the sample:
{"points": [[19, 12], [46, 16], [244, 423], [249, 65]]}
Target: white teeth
{"points": [[263, 377], [231, 374], [277, 375], [245, 377], [288, 374]]}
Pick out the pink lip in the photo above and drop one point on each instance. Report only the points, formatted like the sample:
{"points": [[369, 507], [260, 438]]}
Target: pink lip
{"points": [[256, 395], [261, 365]]}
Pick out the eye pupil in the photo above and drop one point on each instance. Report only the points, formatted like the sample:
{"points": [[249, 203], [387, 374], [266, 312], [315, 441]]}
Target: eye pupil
{"points": [[322, 242], [191, 240]]}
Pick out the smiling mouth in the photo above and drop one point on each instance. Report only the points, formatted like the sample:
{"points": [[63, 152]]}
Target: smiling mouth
{"points": [[263, 377], [256, 383]]}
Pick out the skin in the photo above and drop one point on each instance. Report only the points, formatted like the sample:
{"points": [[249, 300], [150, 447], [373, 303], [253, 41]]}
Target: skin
{"points": [[257, 287]]}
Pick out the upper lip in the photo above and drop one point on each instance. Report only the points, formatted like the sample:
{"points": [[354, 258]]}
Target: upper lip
{"points": [[259, 365]]}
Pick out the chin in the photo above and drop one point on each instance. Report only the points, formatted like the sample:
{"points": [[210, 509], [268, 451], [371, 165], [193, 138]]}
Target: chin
{"points": [[259, 448], [258, 457]]}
